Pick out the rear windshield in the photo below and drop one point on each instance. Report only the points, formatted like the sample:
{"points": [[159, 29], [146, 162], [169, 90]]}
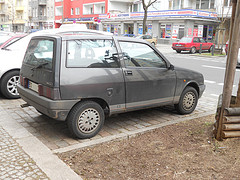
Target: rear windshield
{"points": [[40, 53], [185, 40]]}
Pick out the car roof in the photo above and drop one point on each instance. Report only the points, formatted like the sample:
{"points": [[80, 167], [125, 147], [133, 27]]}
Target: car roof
{"points": [[90, 36]]}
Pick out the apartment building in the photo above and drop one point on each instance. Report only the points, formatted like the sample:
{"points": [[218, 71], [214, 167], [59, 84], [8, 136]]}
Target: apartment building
{"points": [[41, 14], [168, 20], [13, 15], [75, 11]]}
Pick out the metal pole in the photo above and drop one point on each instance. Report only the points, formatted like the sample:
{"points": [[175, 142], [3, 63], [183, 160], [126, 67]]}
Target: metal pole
{"points": [[200, 50], [230, 72]]}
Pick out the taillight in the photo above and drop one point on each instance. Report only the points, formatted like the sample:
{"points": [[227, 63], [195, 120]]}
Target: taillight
{"points": [[24, 81], [51, 93]]}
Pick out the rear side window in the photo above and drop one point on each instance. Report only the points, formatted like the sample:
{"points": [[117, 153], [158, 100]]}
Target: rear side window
{"points": [[40, 53], [92, 54]]}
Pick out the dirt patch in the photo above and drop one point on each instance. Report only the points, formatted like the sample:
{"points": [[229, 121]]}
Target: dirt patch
{"points": [[180, 151]]}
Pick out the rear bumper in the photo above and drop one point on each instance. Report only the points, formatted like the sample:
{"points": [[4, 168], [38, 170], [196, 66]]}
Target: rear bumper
{"points": [[56, 109], [182, 48]]}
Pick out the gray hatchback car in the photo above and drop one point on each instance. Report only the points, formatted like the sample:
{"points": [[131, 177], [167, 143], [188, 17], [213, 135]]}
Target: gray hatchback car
{"points": [[83, 79]]}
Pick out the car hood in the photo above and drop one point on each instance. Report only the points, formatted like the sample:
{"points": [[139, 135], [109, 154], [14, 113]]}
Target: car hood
{"points": [[189, 75], [10, 60]]}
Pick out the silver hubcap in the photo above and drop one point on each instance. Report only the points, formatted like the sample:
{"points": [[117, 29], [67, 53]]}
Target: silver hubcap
{"points": [[88, 120], [12, 85], [193, 50], [189, 101]]}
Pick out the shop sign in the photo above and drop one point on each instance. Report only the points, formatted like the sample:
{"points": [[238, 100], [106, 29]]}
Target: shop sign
{"points": [[189, 31], [195, 32], [149, 29], [108, 28], [200, 30], [163, 13], [168, 31], [140, 30], [175, 31]]}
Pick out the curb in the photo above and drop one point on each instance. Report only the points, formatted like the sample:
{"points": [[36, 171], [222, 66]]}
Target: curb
{"points": [[45, 159]]}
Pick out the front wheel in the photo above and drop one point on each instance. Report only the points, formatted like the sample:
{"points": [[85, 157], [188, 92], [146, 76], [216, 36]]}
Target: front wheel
{"points": [[193, 50], [86, 119], [188, 101], [9, 85], [178, 51]]}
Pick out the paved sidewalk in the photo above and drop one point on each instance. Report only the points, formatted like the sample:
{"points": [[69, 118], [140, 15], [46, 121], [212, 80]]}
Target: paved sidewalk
{"points": [[23, 156]]}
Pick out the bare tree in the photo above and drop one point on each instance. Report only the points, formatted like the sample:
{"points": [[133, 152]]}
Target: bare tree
{"points": [[145, 8]]}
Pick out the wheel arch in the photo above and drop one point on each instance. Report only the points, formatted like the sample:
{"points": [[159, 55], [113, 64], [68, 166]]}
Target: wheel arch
{"points": [[100, 101], [16, 69], [194, 85]]}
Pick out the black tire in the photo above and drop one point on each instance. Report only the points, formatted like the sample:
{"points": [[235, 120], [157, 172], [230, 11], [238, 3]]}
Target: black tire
{"points": [[210, 49], [153, 43], [9, 85], [178, 51], [86, 119], [193, 50], [188, 101]]}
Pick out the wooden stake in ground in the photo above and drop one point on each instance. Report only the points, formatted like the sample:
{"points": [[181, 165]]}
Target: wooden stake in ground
{"points": [[230, 67]]}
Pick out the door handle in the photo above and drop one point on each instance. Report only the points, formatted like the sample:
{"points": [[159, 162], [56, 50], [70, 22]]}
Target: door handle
{"points": [[128, 73]]}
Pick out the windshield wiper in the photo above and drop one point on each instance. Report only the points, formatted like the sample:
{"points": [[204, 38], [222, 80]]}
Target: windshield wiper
{"points": [[40, 65]]}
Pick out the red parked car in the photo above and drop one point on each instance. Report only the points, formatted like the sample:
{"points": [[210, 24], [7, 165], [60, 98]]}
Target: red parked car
{"points": [[192, 44]]}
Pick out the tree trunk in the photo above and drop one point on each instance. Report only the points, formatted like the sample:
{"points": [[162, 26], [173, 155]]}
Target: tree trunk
{"points": [[144, 21]]}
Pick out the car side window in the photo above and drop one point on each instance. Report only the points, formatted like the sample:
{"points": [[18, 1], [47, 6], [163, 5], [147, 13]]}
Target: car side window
{"points": [[140, 55], [92, 53], [202, 40], [195, 40]]}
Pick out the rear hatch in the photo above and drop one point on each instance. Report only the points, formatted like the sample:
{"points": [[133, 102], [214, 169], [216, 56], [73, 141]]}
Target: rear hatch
{"points": [[40, 68]]}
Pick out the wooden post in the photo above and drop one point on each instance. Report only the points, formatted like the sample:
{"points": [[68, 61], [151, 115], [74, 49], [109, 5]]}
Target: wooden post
{"points": [[230, 69]]}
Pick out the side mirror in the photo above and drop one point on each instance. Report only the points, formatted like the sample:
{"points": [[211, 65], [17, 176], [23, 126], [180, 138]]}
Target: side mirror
{"points": [[171, 67]]}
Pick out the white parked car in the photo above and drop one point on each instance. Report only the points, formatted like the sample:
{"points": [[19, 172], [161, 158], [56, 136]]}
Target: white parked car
{"points": [[12, 56]]}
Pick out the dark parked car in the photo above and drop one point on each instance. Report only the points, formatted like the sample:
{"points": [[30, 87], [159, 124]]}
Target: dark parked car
{"points": [[129, 35], [83, 79], [192, 44]]}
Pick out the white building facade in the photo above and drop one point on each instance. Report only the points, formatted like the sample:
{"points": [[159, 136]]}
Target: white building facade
{"points": [[168, 20]]}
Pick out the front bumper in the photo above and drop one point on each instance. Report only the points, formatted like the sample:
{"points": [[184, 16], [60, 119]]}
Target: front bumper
{"points": [[201, 89], [56, 109]]}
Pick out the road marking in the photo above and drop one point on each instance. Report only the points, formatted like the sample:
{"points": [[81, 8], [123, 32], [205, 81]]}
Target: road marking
{"points": [[215, 67], [220, 84], [215, 95], [211, 82]]}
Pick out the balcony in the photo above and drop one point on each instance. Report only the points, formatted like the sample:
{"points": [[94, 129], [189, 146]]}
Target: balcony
{"points": [[42, 18], [42, 2], [20, 8], [2, 12]]}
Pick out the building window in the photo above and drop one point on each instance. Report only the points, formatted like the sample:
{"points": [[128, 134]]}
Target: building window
{"points": [[91, 10], [135, 8], [72, 11], [77, 11], [102, 9], [59, 11], [170, 5]]}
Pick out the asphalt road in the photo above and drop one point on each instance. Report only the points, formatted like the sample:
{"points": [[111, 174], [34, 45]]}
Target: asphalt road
{"points": [[213, 69]]}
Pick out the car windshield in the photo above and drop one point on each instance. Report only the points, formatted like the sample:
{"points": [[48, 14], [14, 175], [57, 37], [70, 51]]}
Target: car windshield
{"points": [[185, 40], [20, 43]]}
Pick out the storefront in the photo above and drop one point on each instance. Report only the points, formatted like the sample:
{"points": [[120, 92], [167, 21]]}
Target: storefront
{"points": [[167, 26]]}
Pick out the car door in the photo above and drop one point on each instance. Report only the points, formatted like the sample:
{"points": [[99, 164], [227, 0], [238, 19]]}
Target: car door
{"points": [[196, 43], [148, 81], [204, 44]]}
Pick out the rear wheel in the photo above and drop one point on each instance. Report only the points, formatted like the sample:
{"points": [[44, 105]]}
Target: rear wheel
{"points": [[9, 85], [86, 119], [178, 51], [153, 43], [193, 50], [188, 101]]}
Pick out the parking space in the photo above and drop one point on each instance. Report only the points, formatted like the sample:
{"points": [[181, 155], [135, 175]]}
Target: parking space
{"points": [[55, 134]]}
